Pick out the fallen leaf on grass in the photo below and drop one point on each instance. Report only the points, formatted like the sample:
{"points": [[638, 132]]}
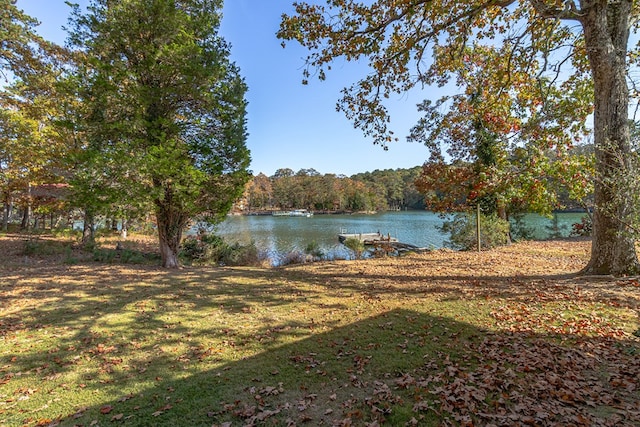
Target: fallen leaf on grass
{"points": [[162, 410], [125, 398]]}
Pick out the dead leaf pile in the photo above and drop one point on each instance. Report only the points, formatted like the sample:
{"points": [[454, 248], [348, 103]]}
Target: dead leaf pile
{"points": [[523, 381]]}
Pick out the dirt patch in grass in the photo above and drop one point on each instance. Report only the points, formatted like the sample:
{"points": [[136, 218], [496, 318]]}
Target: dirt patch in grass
{"points": [[511, 336]]}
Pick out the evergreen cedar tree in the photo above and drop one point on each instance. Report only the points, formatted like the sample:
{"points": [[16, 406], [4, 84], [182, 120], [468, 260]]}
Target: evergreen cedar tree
{"points": [[17, 40], [164, 112], [563, 45]]}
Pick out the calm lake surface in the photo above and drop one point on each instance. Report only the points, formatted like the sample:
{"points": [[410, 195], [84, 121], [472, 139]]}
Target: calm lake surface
{"points": [[277, 235]]}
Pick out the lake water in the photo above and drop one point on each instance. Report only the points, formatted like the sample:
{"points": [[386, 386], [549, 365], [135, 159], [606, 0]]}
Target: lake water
{"points": [[277, 235]]}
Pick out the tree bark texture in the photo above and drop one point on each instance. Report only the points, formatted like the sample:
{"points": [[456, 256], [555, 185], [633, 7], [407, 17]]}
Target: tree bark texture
{"points": [[26, 217], [8, 211], [171, 222], [606, 31], [87, 228], [26, 214]]}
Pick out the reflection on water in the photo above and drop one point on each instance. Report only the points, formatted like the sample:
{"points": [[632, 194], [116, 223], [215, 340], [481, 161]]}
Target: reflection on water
{"points": [[277, 235]]}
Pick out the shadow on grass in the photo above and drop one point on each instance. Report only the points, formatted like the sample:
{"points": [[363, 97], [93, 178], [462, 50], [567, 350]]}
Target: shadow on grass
{"points": [[399, 368], [113, 345]]}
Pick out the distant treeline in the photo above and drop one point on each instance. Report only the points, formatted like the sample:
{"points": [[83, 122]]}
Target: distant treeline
{"points": [[380, 190]]}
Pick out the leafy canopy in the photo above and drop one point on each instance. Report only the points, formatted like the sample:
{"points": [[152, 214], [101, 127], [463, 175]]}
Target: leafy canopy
{"points": [[413, 44], [504, 64], [164, 102], [163, 110]]}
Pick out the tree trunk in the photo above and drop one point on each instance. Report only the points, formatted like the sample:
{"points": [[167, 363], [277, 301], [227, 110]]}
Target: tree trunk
{"points": [[57, 222], [171, 222], [606, 30], [8, 211], [169, 252], [26, 215], [124, 229], [87, 228]]}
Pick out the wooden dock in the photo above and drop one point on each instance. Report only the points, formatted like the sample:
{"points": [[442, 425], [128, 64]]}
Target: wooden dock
{"points": [[380, 242], [367, 238]]}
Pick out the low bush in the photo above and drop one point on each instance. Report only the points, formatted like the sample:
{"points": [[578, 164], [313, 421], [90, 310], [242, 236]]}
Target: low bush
{"points": [[35, 246], [104, 255], [69, 257], [238, 254], [202, 248], [128, 256], [66, 232], [356, 246], [122, 256], [32, 247], [209, 249], [462, 231], [314, 251]]}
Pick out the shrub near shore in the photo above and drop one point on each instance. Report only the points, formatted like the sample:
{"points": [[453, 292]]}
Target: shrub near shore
{"points": [[508, 336]]}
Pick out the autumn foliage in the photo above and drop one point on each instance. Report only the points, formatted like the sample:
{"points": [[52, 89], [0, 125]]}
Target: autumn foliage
{"points": [[530, 71]]}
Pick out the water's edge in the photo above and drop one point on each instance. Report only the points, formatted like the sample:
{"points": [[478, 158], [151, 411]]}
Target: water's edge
{"points": [[277, 236]]}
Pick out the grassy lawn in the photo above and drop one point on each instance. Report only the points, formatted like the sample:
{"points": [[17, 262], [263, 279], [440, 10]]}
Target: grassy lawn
{"points": [[506, 337]]}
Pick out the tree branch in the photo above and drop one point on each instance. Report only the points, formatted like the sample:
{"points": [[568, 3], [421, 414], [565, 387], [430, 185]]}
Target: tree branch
{"points": [[568, 10]]}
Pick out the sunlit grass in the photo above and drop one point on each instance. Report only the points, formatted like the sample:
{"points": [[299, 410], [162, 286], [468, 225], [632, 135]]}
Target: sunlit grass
{"points": [[95, 344]]}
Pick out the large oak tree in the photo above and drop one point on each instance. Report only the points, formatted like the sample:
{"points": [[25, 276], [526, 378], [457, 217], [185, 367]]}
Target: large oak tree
{"points": [[164, 111], [416, 43]]}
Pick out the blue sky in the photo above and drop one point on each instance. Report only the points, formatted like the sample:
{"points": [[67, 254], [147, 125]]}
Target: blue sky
{"points": [[290, 125]]}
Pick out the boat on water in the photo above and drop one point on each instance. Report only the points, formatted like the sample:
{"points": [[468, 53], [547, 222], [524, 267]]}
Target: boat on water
{"points": [[295, 212]]}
